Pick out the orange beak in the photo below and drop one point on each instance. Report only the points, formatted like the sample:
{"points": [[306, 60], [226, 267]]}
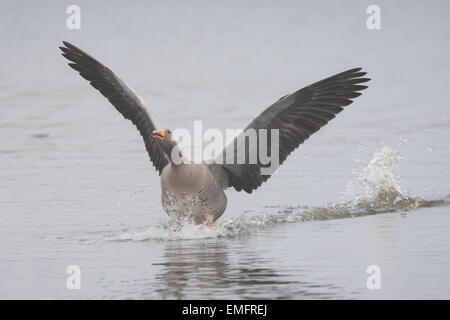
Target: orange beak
{"points": [[159, 135]]}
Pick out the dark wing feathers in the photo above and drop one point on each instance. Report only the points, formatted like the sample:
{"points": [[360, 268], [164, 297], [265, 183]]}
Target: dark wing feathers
{"points": [[297, 116], [121, 96]]}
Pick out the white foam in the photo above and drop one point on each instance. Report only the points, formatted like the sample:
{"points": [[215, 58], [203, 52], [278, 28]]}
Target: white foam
{"points": [[377, 186]]}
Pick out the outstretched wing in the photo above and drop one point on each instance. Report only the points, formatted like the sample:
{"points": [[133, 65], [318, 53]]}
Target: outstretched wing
{"points": [[297, 116], [121, 96]]}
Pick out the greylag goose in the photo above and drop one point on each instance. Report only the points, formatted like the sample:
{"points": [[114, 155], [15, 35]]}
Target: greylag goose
{"points": [[196, 190]]}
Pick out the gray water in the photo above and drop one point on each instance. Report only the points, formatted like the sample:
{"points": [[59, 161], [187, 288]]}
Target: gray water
{"points": [[371, 188]]}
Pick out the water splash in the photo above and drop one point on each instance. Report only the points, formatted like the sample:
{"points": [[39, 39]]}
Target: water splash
{"points": [[374, 189], [377, 187], [169, 229]]}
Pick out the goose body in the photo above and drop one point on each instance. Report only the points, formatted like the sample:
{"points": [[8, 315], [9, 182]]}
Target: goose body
{"points": [[197, 190], [191, 190]]}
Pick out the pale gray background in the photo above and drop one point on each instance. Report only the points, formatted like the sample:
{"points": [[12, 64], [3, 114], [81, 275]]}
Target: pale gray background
{"points": [[76, 186]]}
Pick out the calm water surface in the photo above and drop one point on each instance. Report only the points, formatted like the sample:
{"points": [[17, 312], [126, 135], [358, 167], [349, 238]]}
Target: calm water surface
{"points": [[371, 188]]}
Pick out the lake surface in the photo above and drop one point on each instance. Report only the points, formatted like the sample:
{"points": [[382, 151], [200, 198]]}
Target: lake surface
{"points": [[371, 188]]}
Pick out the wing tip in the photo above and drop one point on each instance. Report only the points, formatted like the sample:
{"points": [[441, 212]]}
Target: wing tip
{"points": [[356, 72], [67, 50], [69, 45], [353, 70]]}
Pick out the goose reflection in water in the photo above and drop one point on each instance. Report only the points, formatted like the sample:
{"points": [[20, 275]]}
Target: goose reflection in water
{"points": [[208, 271]]}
